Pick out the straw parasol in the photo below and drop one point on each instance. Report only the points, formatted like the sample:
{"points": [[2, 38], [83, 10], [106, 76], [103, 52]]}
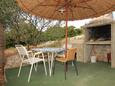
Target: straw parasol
{"points": [[77, 9]]}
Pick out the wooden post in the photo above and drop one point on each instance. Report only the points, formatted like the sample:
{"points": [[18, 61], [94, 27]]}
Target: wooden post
{"points": [[87, 48], [113, 45], [2, 60]]}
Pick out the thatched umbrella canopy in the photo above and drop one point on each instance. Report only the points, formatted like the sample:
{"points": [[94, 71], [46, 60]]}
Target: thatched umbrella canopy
{"points": [[77, 9]]}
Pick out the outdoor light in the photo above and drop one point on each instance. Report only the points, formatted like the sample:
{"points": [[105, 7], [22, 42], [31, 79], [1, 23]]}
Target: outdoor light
{"points": [[61, 10]]}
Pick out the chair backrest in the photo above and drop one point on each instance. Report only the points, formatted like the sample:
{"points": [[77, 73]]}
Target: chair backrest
{"points": [[71, 54], [22, 51]]}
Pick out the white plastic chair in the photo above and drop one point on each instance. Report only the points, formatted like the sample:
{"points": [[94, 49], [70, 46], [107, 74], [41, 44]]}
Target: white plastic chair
{"points": [[29, 58]]}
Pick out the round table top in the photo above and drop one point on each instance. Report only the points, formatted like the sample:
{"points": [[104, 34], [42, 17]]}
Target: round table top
{"points": [[49, 49]]}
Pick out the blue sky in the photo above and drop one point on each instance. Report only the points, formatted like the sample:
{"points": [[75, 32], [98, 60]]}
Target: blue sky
{"points": [[80, 23]]}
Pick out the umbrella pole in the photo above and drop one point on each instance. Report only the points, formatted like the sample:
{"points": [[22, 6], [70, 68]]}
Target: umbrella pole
{"points": [[66, 34], [66, 41]]}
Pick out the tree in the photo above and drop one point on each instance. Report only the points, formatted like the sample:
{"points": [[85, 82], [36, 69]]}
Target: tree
{"points": [[71, 31], [7, 9], [79, 31]]}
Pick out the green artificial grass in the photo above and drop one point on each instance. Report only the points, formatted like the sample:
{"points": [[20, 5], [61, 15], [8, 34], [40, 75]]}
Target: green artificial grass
{"points": [[90, 74]]}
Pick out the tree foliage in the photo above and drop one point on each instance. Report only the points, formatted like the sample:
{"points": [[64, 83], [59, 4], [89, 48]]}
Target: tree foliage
{"points": [[54, 33], [25, 34], [57, 33], [8, 10]]}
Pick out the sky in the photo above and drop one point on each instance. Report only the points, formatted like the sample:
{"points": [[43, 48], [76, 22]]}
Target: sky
{"points": [[80, 23]]}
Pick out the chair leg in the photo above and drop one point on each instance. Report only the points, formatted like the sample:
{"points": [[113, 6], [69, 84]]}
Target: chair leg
{"points": [[66, 66], [45, 68], [5, 78], [30, 72], [65, 69], [35, 66], [49, 65], [75, 65], [54, 67], [52, 63], [19, 70]]}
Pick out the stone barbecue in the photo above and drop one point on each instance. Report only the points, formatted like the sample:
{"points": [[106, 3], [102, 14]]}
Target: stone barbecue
{"points": [[100, 41]]}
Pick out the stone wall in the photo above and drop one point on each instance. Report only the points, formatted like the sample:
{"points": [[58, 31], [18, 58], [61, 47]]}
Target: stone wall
{"points": [[78, 42], [101, 51], [13, 61]]}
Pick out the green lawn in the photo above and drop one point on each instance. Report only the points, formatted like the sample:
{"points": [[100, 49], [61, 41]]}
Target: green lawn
{"points": [[97, 74]]}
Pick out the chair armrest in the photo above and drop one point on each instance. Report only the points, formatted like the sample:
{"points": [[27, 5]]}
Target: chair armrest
{"points": [[60, 56], [30, 51], [37, 53]]}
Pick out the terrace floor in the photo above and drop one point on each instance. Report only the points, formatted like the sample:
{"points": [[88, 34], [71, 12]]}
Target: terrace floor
{"points": [[90, 74]]}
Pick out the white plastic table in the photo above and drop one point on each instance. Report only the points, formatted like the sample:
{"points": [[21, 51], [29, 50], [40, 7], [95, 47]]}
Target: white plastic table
{"points": [[53, 52]]}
